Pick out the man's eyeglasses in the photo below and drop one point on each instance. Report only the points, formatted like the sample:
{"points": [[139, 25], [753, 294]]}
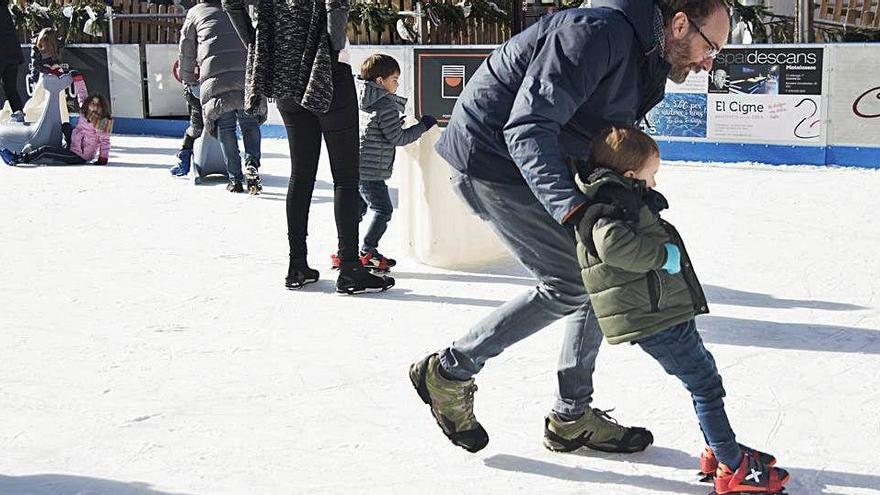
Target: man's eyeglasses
{"points": [[713, 50]]}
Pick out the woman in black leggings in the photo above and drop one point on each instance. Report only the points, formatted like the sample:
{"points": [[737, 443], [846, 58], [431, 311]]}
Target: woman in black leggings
{"points": [[293, 57], [10, 59]]}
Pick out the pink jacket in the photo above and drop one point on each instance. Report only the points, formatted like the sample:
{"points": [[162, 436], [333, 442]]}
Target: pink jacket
{"points": [[86, 139]]}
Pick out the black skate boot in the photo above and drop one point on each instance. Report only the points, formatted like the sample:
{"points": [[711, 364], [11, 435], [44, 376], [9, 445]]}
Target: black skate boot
{"points": [[355, 279], [299, 274], [252, 176], [235, 186]]}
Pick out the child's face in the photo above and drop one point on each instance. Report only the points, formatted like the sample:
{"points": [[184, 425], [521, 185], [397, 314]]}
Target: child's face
{"points": [[390, 83], [95, 107], [647, 171]]}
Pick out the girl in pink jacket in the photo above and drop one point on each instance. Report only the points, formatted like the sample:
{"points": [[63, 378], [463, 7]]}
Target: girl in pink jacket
{"points": [[91, 137]]}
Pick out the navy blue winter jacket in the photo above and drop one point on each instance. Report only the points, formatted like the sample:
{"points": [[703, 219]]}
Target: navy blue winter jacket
{"points": [[538, 100]]}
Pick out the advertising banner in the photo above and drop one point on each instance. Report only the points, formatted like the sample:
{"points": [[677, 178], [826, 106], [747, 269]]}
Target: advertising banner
{"points": [[89, 60], [766, 95], [682, 113], [767, 71], [753, 94], [440, 77]]}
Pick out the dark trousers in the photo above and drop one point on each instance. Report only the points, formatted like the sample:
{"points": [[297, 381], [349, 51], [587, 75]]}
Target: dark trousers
{"points": [[374, 195], [339, 127], [9, 75], [51, 155], [681, 352]]}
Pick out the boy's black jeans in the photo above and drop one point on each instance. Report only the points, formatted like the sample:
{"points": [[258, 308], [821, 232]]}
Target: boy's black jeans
{"points": [[339, 127]]}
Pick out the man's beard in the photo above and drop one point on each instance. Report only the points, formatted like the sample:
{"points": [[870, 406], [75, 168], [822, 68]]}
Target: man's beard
{"points": [[677, 55]]}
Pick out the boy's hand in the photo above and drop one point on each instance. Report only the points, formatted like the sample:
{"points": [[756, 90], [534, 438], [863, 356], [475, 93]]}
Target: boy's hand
{"points": [[428, 121], [673, 259]]}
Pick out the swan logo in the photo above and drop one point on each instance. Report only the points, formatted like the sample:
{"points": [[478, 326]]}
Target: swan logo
{"points": [[808, 127], [867, 104]]}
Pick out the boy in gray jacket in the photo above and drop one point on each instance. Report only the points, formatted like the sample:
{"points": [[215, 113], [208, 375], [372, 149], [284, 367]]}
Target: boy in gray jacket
{"points": [[381, 130]]}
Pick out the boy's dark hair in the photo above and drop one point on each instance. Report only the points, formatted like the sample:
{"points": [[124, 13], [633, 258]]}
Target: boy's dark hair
{"points": [[622, 149], [379, 65], [105, 110]]}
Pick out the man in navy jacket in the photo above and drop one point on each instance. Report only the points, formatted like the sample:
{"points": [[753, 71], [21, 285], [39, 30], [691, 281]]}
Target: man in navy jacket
{"points": [[520, 130]]}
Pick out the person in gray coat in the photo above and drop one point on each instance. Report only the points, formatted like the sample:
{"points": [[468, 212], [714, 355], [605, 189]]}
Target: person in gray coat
{"points": [[209, 41], [381, 130]]}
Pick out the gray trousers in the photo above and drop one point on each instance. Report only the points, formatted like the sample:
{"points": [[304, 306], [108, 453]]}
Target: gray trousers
{"points": [[549, 251]]}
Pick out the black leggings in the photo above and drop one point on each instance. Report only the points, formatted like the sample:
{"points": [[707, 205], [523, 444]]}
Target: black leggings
{"points": [[339, 126], [51, 155], [9, 74]]}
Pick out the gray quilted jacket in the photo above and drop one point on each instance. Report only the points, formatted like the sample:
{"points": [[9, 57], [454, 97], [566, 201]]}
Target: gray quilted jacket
{"points": [[209, 40], [381, 129]]}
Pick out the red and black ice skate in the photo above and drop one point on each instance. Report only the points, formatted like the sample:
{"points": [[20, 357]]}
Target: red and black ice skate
{"points": [[374, 262], [752, 476], [709, 463]]}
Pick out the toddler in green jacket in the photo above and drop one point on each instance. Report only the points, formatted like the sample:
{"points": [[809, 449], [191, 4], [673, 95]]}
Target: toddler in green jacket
{"points": [[644, 290]]}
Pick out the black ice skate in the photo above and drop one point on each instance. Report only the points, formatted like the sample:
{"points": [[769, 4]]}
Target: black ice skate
{"points": [[355, 279], [252, 177], [299, 274]]}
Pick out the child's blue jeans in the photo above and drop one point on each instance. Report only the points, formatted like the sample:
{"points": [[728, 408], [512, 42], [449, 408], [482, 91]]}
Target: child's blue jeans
{"points": [[374, 195], [680, 351]]}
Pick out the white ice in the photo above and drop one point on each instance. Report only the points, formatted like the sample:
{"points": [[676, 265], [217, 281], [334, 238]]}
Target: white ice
{"points": [[148, 346]]}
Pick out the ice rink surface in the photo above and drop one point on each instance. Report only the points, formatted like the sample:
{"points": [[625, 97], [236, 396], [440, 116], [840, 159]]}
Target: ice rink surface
{"points": [[148, 346]]}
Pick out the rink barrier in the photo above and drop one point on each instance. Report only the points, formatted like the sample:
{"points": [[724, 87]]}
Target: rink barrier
{"points": [[771, 154], [821, 106], [175, 127]]}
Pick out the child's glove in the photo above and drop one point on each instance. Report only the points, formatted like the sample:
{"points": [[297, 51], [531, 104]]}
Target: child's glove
{"points": [[101, 161], [428, 121], [673, 258]]}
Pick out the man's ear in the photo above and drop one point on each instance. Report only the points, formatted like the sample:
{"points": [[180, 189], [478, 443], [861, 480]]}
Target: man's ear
{"points": [[679, 25]]}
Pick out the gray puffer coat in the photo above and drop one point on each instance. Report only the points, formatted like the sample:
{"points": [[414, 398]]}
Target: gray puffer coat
{"points": [[381, 129], [209, 40]]}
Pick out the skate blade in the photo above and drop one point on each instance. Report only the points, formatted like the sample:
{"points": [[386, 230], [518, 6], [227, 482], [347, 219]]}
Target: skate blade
{"points": [[299, 285], [780, 492], [367, 290], [376, 269]]}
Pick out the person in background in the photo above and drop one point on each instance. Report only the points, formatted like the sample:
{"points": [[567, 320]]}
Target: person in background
{"points": [[10, 60], [294, 58], [208, 40], [193, 132], [88, 140], [381, 132]]}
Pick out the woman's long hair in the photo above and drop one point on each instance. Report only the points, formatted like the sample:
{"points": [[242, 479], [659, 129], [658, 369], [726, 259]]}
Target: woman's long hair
{"points": [[105, 110], [47, 43]]}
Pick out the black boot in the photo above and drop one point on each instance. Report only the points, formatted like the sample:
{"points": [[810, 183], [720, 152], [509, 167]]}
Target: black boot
{"points": [[299, 274], [355, 279]]}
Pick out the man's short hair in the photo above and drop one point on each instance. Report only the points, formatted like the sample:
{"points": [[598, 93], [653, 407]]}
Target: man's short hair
{"points": [[697, 10]]}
